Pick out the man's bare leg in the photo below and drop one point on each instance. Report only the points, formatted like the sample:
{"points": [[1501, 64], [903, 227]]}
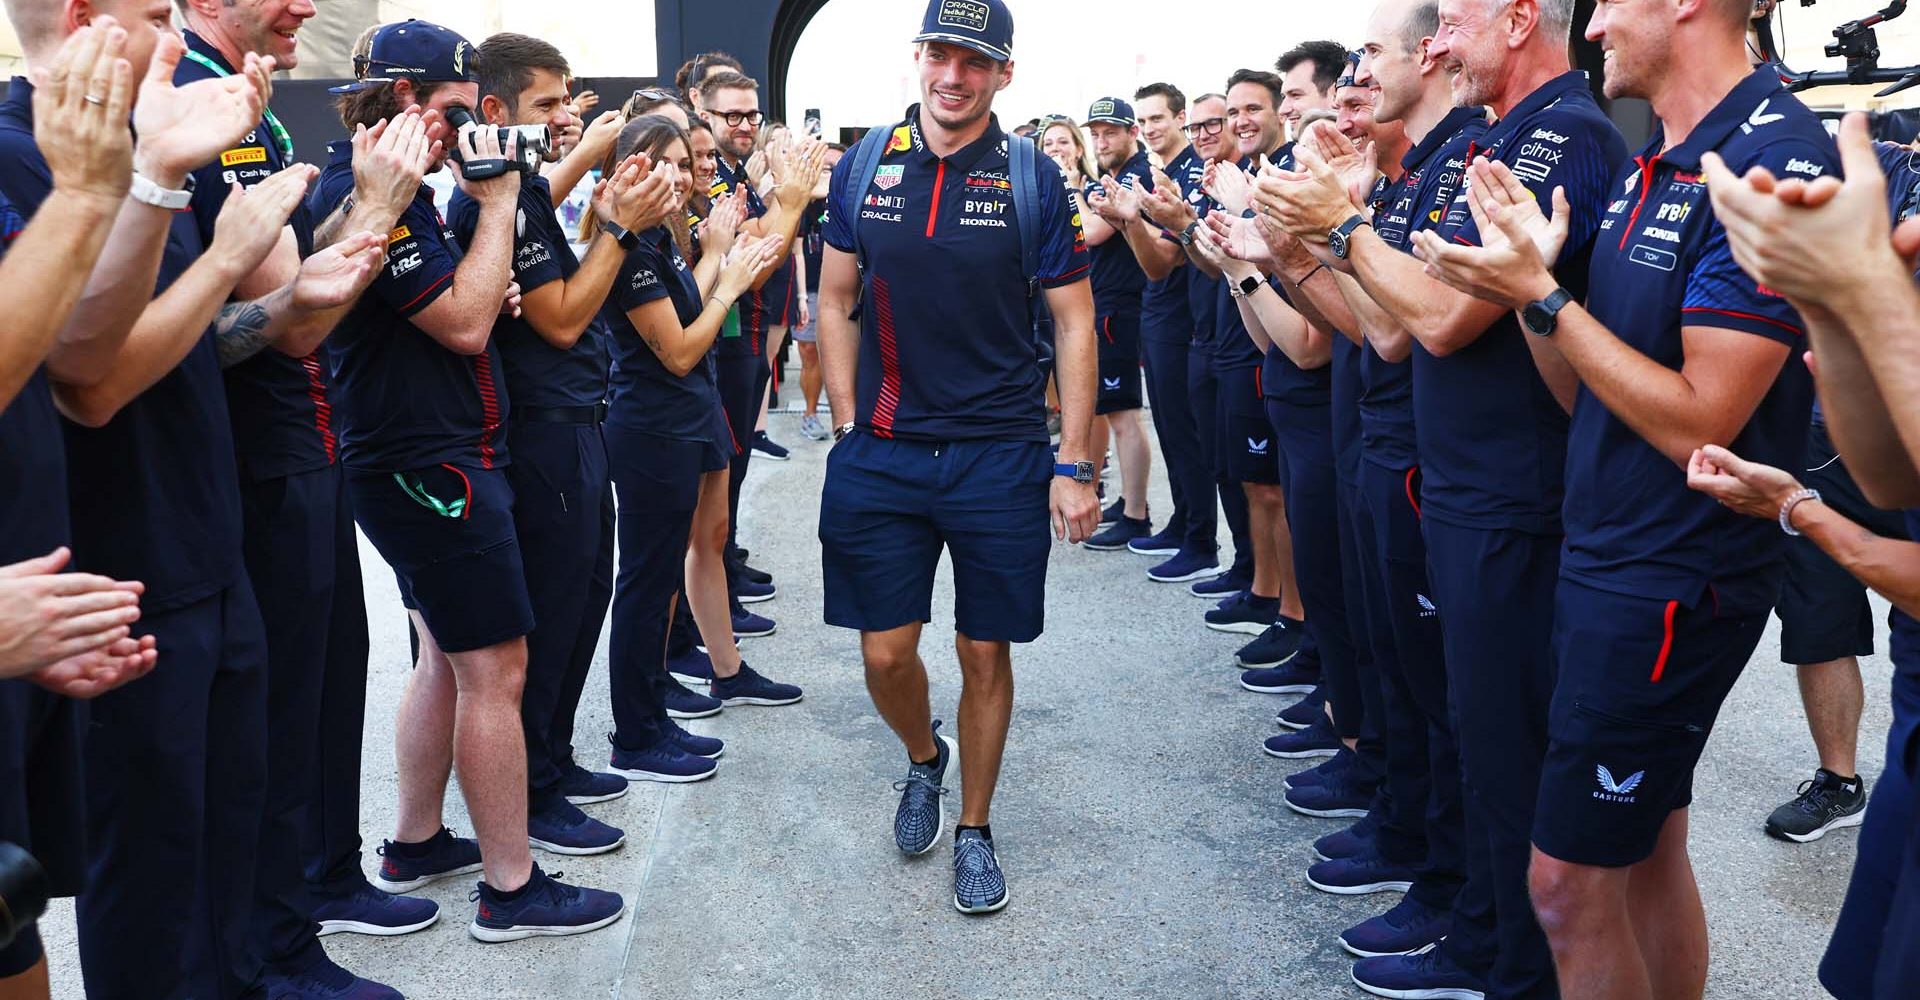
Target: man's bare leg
{"points": [[986, 709], [897, 681]]}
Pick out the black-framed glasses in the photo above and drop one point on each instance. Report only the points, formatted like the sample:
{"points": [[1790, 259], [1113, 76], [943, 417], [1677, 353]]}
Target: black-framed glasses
{"points": [[734, 118], [1207, 126]]}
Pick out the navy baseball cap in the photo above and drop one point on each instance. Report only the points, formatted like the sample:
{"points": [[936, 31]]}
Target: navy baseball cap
{"points": [[984, 26], [412, 50], [1113, 111]]}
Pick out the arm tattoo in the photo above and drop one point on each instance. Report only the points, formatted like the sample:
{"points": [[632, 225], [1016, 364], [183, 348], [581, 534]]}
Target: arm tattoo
{"points": [[328, 233], [240, 332]]}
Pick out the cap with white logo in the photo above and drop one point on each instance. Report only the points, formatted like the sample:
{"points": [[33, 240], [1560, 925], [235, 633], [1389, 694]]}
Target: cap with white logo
{"points": [[1113, 111], [984, 26]]}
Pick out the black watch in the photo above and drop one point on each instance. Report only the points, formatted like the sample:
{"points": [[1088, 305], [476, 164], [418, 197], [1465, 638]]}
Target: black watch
{"points": [[1079, 472], [1340, 240], [628, 240], [1249, 285], [1542, 316]]}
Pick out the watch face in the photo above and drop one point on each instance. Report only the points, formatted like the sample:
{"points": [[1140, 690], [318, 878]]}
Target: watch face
{"points": [[1083, 472], [1537, 318], [1337, 242]]}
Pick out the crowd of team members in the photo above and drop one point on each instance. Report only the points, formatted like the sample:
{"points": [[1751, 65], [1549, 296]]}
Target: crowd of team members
{"points": [[1466, 376]]}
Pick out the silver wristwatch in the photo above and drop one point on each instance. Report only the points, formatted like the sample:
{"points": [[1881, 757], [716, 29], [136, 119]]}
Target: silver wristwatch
{"points": [[146, 192]]}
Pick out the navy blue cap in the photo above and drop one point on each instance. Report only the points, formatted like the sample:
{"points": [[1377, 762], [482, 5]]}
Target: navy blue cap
{"points": [[1113, 111], [984, 26], [413, 50]]}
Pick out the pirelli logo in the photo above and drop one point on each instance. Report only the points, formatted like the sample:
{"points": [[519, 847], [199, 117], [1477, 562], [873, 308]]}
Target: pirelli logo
{"points": [[398, 235], [237, 157]]}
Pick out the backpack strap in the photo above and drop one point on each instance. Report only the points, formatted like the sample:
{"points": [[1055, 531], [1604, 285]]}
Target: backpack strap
{"points": [[867, 154], [1023, 160]]}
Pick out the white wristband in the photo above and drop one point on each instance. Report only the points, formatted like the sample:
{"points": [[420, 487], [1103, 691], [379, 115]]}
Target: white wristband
{"points": [[1786, 509]]}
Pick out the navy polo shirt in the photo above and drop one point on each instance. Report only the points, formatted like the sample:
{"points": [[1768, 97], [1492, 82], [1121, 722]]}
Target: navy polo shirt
{"points": [[1118, 281], [1661, 264], [33, 459], [1431, 175], [1233, 348], [1492, 437], [947, 350], [282, 417], [407, 402], [538, 373], [1901, 165], [1166, 315], [646, 396], [1203, 304], [758, 308]]}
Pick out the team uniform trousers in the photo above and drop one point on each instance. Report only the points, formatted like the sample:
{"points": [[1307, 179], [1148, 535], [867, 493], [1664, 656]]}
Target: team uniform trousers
{"points": [[1194, 521], [1203, 391]]}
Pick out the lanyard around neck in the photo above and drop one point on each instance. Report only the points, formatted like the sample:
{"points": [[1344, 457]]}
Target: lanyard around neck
{"points": [[281, 138]]}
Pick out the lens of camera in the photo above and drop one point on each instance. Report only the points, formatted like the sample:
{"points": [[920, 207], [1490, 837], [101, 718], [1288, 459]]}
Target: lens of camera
{"points": [[23, 891], [533, 138]]}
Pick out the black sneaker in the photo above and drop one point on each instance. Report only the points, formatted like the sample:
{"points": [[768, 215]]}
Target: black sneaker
{"points": [[1116, 535], [1278, 644], [1115, 511], [766, 447], [1305, 712], [1828, 802]]}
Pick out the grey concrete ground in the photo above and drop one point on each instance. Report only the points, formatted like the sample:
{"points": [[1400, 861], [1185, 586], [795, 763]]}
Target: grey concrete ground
{"points": [[1142, 831]]}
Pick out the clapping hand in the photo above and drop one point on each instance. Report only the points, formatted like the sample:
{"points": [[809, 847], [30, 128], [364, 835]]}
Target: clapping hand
{"points": [[723, 222], [391, 159], [337, 275], [743, 263], [1164, 207], [1510, 268], [80, 113], [182, 129], [1230, 186], [249, 224], [47, 616]]}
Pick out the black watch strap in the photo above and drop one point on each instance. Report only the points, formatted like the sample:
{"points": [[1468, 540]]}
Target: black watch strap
{"points": [[627, 239], [1541, 317]]}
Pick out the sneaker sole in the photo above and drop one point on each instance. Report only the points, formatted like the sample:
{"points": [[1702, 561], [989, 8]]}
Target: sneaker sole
{"points": [[691, 679], [765, 702], [497, 935], [1853, 819], [1204, 574], [1213, 597], [1300, 754], [976, 910], [374, 930], [669, 779], [771, 457], [1103, 547], [1281, 662], [1361, 890], [1441, 993], [756, 635], [758, 598], [1363, 953], [939, 829], [576, 852], [1289, 724], [1282, 689], [411, 884], [587, 800], [1240, 628], [1342, 813], [1152, 552], [674, 713]]}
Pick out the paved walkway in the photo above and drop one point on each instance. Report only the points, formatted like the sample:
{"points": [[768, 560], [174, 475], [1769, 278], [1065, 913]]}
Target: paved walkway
{"points": [[1142, 831]]}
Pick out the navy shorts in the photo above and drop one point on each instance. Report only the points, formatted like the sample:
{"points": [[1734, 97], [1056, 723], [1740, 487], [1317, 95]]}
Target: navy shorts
{"points": [[1640, 683], [1120, 378], [890, 506], [448, 533], [43, 806], [1824, 613], [1248, 451]]}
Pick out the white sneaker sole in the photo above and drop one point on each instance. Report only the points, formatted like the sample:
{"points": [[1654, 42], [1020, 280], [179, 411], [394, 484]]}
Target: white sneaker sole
{"points": [[412, 884], [771, 457], [577, 852], [1204, 574], [374, 930], [763, 702], [1325, 813], [587, 800], [1361, 953], [760, 598], [497, 935], [668, 779], [976, 910], [674, 713], [1282, 689], [1299, 754], [1442, 993], [691, 679], [1241, 628], [1360, 890], [1839, 824], [1161, 553], [940, 830], [755, 635]]}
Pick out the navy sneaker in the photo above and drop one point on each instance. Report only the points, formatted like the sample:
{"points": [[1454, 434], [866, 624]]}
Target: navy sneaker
{"points": [[685, 704], [1360, 875], [922, 813], [583, 787], [748, 573], [1115, 510], [543, 907], [1244, 614], [324, 980], [1161, 543], [1335, 797], [978, 885], [404, 868], [1340, 763], [1122, 531], [561, 828], [1225, 585], [765, 447], [666, 762], [748, 592], [709, 747], [1186, 565], [1278, 645], [1305, 712], [1430, 975], [367, 910], [1350, 842], [1410, 928], [748, 625], [748, 687], [1290, 679], [1317, 740], [691, 667]]}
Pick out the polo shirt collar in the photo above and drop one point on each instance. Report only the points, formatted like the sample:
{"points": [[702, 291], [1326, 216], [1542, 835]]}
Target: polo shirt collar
{"points": [[968, 156], [20, 98], [1572, 81], [1440, 135], [1730, 114], [205, 48]]}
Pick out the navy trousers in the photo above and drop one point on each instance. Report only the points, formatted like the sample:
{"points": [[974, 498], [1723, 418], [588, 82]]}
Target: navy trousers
{"points": [[1203, 391], [658, 482], [1195, 519]]}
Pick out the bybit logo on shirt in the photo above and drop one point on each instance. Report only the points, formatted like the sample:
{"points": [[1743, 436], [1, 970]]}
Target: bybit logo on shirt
{"points": [[968, 14]]}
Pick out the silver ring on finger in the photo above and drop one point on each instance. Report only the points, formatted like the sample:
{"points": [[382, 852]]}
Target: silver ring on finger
{"points": [[94, 100]]}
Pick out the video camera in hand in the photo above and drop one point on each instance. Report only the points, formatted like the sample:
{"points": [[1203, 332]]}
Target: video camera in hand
{"points": [[23, 891], [526, 146]]}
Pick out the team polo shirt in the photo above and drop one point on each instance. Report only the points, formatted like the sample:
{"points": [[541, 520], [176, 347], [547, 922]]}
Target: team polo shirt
{"points": [[646, 396], [1118, 281], [759, 308], [1431, 175], [947, 349], [1233, 348], [281, 408], [1165, 314], [1203, 298], [1661, 264], [406, 402], [33, 459], [1492, 437], [538, 373]]}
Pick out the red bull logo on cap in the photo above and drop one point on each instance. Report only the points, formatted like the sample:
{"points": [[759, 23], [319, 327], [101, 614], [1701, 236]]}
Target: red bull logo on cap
{"points": [[969, 14]]}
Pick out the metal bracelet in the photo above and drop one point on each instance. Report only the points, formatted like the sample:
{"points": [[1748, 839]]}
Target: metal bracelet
{"points": [[1786, 509]]}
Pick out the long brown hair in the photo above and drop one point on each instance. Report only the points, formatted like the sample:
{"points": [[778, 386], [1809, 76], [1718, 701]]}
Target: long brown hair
{"points": [[652, 135]]}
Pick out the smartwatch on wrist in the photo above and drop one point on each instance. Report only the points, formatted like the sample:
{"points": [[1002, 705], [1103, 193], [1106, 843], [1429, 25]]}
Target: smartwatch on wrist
{"points": [[1079, 472], [1186, 235], [1542, 316], [1245, 286], [627, 239]]}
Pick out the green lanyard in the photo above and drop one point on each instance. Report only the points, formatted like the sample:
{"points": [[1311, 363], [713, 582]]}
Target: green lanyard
{"points": [[281, 138]]}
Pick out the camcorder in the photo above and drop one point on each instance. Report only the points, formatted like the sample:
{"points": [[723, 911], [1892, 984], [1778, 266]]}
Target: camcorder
{"points": [[527, 146], [23, 891]]}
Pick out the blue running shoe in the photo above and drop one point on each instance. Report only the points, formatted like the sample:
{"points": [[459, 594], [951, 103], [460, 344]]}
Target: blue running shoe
{"points": [[1290, 679], [367, 910], [1225, 585], [1186, 566], [749, 592], [406, 867], [978, 885], [1360, 875], [1430, 975], [1114, 511], [1410, 928], [1277, 645], [1244, 614], [1303, 713], [691, 667], [709, 747], [1117, 535], [1341, 762], [1162, 543], [1350, 842], [748, 625], [1337, 797], [748, 687], [584, 787], [326, 981], [922, 814], [685, 704], [544, 907], [561, 828], [667, 762], [1317, 740], [766, 447]]}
